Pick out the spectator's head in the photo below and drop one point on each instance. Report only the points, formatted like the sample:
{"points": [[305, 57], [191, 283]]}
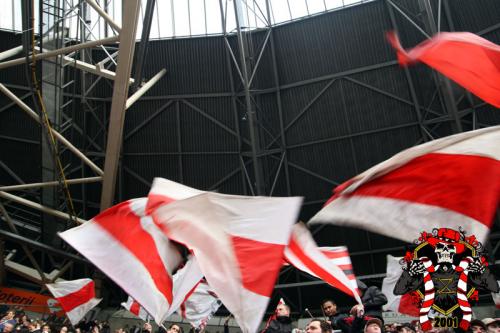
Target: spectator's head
{"points": [[283, 310], [64, 329], [329, 307], [10, 314], [318, 326], [477, 326], [373, 325], [45, 329], [174, 328], [406, 328], [492, 325], [8, 327], [147, 327]]}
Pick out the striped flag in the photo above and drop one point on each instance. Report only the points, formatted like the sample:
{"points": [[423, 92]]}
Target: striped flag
{"points": [[303, 253], [471, 61], [135, 308], [127, 246], [453, 182], [339, 256], [76, 297], [238, 242]]}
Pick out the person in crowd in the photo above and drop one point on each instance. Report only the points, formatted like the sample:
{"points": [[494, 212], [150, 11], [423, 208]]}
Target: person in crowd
{"points": [[406, 328], [147, 328], [373, 325], [64, 329], [8, 318], [318, 326], [477, 326], [174, 328], [373, 299], [8, 328], [357, 321], [45, 328], [282, 323], [492, 325], [329, 309]]}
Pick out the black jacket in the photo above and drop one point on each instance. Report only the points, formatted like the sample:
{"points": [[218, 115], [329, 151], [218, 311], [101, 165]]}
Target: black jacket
{"points": [[280, 325], [373, 299]]}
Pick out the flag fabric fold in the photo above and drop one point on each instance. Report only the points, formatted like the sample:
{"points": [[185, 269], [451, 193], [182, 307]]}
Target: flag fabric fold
{"points": [[303, 253], [185, 281], [238, 242], [76, 297], [405, 304], [452, 182], [200, 305], [135, 308], [471, 61], [125, 244]]}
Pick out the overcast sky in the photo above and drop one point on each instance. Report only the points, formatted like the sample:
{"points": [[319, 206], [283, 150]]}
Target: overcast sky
{"points": [[182, 18]]}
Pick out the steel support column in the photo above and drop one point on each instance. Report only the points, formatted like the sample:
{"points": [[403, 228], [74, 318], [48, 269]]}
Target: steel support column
{"points": [[120, 94]]}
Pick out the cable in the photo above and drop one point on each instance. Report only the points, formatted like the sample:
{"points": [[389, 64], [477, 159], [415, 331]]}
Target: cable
{"points": [[45, 120]]}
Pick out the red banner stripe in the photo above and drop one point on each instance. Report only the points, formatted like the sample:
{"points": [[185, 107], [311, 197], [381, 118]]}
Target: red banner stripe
{"points": [[315, 268], [75, 299], [120, 222], [259, 263], [466, 184]]}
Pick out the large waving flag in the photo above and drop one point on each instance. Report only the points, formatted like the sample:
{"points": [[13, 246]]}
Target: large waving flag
{"points": [[238, 242], [125, 244], [469, 60], [303, 253], [75, 297], [405, 304], [200, 305], [451, 182], [135, 308]]}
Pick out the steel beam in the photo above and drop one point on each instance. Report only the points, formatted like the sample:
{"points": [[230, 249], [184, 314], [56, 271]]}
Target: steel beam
{"points": [[104, 15], [119, 100], [64, 50], [143, 45], [37, 206], [56, 134], [46, 184]]}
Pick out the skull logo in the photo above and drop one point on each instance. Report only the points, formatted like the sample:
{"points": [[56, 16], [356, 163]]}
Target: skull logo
{"points": [[445, 252]]}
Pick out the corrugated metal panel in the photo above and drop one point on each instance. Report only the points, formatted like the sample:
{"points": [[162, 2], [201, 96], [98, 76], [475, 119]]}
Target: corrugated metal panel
{"points": [[333, 42]]}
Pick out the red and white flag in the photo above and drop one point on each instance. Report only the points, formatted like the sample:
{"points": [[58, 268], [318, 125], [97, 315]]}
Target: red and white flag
{"points": [[125, 244], [185, 281], [135, 308], [339, 256], [452, 182], [238, 242], [471, 61], [303, 253], [76, 297], [200, 305], [405, 304]]}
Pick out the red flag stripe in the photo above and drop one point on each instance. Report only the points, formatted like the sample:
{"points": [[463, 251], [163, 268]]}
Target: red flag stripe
{"points": [[468, 59], [315, 268], [335, 254], [467, 193], [135, 308], [77, 298], [259, 260], [149, 257]]}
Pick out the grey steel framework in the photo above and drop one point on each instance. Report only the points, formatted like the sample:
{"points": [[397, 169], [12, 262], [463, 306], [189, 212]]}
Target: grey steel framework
{"points": [[257, 123]]}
